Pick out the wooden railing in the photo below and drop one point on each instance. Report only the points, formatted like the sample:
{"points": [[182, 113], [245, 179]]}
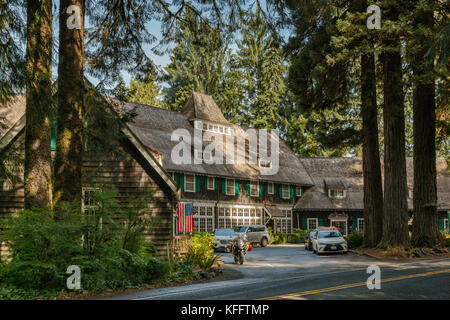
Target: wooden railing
{"points": [[181, 244]]}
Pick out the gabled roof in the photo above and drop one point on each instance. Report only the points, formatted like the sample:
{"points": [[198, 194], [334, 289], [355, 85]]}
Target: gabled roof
{"points": [[13, 120], [349, 172], [203, 107], [154, 127]]}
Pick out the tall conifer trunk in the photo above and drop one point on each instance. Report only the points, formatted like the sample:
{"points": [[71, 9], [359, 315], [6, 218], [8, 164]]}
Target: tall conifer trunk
{"points": [[373, 192], [425, 231], [395, 211], [38, 161], [70, 142]]}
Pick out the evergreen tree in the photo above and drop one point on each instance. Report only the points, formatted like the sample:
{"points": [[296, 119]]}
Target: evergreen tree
{"points": [[144, 92], [71, 95], [38, 161]]}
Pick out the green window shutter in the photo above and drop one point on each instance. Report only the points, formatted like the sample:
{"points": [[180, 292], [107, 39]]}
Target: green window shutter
{"points": [[236, 187], [224, 191], [248, 189], [197, 183], [267, 188], [206, 183], [53, 136], [304, 224], [216, 182], [281, 191], [182, 181], [354, 225], [320, 221], [441, 224], [292, 191], [260, 189], [301, 191]]}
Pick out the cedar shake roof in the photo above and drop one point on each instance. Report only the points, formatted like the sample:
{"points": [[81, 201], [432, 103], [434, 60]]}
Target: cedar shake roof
{"points": [[349, 172], [203, 107], [154, 126]]}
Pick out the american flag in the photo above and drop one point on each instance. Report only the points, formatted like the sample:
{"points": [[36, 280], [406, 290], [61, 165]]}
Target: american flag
{"points": [[185, 217]]}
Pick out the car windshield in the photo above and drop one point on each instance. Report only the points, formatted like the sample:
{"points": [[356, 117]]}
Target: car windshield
{"points": [[329, 234], [224, 232], [240, 229]]}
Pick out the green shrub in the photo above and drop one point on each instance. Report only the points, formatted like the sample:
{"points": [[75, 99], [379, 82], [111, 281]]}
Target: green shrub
{"points": [[108, 245], [355, 240], [201, 254], [32, 275], [157, 269]]}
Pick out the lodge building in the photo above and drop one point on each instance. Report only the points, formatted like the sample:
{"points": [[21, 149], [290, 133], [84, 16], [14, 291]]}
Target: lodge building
{"points": [[303, 193]]}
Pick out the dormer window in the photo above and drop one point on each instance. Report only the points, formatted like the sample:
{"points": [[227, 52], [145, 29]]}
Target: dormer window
{"points": [[203, 155], [216, 128], [337, 194], [265, 163]]}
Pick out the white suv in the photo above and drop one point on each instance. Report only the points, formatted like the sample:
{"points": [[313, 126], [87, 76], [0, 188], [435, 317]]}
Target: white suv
{"points": [[255, 234]]}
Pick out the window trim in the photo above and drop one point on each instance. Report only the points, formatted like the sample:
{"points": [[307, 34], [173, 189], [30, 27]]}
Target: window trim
{"points": [[446, 221], [83, 194], [226, 187], [256, 185], [410, 193], [298, 191], [357, 224], [307, 222], [267, 161], [344, 193], [268, 188], [185, 183], [210, 185], [288, 191]]}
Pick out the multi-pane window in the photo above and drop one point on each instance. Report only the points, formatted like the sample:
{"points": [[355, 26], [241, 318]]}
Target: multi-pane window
{"points": [[189, 183], [336, 194], [312, 223], [89, 203], [446, 226], [210, 183], [216, 128], [254, 189], [270, 188], [230, 186], [285, 191], [203, 155], [203, 218], [360, 224], [284, 224], [298, 191], [265, 163]]}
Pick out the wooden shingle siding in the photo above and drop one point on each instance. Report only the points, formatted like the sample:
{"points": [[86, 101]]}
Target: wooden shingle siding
{"points": [[130, 180]]}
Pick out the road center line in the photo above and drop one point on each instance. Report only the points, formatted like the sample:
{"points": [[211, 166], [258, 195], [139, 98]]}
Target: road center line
{"points": [[353, 285]]}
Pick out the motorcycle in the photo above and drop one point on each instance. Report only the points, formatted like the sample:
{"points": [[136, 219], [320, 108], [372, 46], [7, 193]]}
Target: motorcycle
{"points": [[239, 249]]}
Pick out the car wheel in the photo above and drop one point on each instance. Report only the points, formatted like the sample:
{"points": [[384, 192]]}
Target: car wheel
{"points": [[263, 242]]}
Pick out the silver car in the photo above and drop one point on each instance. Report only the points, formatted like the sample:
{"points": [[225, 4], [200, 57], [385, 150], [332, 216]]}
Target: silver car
{"points": [[224, 239], [255, 234], [329, 241]]}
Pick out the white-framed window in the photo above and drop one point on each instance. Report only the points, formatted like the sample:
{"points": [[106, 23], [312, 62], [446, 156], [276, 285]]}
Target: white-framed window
{"points": [[189, 183], [298, 191], [313, 223], [270, 188], [203, 218], [216, 128], [210, 183], [230, 187], [285, 191], [88, 201], [360, 224], [254, 192], [265, 163], [446, 226], [284, 224], [337, 194], [410, 193], [341, 224]]}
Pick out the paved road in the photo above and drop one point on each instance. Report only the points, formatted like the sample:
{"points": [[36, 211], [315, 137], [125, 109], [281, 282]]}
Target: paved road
{"points": [[290, 272]]}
